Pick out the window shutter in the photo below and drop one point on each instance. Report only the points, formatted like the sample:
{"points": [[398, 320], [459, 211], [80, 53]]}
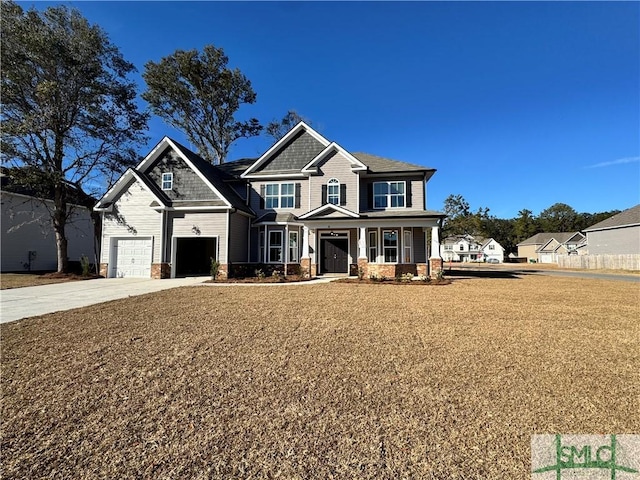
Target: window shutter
{"points": [[343, 194], [298, 194], [407, 195], [262, 196], [370, 195], [324, 194]]}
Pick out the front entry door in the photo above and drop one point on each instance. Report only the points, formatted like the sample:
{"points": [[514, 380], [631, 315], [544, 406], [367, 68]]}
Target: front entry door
{"points": [[335, 255]]}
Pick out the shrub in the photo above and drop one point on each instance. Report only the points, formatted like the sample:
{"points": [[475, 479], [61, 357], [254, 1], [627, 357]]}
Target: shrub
{"points": [[259, 273], [360, 273], [407, 277], [85, 265], [215, 268]]}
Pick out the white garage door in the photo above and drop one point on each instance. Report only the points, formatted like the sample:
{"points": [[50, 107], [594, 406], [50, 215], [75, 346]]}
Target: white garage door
{"points": [[132, 257], [546, 258]]}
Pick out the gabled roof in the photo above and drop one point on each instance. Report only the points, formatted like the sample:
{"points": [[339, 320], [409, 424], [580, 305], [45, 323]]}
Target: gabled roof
{"points": [[214, 177], [544, 237], [626, 218], [297, 162], [312, 166], [315, 150], [160, 199], [327, 208]]}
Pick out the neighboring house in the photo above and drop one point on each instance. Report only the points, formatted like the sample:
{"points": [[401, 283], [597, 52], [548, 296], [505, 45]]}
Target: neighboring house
{"points": [[468, 248], [619, 234], [28, 241], [305, 205], [544, 247]]}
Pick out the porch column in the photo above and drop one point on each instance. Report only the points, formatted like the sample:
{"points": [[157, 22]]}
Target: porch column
{"points": [[435, 243], [435, 260], [305, 242], [362, 243], [305, 259]]}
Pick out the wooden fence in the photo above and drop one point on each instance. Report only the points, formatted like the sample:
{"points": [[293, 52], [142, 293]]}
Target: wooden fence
{"points": [[592, 262]]}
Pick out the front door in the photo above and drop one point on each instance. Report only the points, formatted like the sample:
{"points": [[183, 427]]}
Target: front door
{"points": [[335, 255]]}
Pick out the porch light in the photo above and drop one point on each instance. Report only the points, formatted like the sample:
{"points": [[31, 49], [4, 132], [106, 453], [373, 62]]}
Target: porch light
{"points": [[195, 230]]}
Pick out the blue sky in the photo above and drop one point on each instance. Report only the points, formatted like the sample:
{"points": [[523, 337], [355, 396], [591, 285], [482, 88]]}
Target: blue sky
{"points": [[516, 104]]}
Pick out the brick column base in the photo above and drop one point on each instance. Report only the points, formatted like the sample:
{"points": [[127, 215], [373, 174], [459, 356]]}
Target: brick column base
{"points": [[435, 267], [305, 267], [363, 266], [160, 270], [104, 270], [422, 269]]}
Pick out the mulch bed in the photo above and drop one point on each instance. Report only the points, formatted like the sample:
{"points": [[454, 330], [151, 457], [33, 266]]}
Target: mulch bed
{"points": [[269, 279], [393, 281]]}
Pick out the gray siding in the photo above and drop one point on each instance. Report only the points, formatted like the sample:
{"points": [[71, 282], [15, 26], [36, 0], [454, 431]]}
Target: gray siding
{"points": [[238, 234], [26, 226], [210, 224], [304, 197], [335, 166], [624, 240], [295, 154], [131, 218], [419, 246], [417, 191], [187, 184]]}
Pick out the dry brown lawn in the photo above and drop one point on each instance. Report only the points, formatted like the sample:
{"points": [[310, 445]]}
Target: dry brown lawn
{"points": [[320, 381], [18, 280]]}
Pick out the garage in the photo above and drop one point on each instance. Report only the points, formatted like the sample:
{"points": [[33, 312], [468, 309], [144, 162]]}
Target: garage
{"points": [[131, 257], [193, 255], [546, 258]]}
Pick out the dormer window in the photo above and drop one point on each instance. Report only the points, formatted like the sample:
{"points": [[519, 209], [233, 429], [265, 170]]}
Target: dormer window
{"points": [[167, 181], [333, 191]]}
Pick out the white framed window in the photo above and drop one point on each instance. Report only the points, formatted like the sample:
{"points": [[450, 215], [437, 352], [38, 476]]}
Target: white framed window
{"points": [[390, 245], [492, 246], [389, 194], [279, 195], [333, 191], [448, 247], [462, 248], [407, 246], [373, 246], [167, 181], [293, 247], [275, 246]]}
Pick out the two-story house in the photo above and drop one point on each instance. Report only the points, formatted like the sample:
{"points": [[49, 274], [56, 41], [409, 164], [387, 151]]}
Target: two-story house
{"points": [[468, 248], [305, 205]]}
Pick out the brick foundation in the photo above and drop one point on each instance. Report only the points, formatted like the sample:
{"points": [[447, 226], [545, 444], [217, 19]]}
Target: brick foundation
{"points": [[422, 269], [160, 270], [390, 270], [435, 267], [363, 264], [104, 270]]}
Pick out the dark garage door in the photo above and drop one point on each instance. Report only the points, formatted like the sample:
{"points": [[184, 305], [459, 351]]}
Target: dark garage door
{"points": [[193, 256]]}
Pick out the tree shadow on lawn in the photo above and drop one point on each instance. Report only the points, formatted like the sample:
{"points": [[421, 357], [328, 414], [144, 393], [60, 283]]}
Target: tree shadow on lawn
{"points": [[470, 273]]}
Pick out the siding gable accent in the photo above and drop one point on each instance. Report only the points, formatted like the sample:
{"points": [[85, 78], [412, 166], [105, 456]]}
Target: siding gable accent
{"points": [[295, 133], [328, 209], [333, 148], [123, 184]]}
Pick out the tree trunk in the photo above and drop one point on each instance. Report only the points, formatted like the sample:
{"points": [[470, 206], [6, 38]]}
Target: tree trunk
{"points": [[59, 223]]}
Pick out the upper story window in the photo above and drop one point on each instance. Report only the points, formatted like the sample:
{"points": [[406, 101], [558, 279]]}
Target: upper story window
{"points": [[333, 191], [448, 247], [389, 194], [462, 247], [167, 181], [492, 246], [279, 195]]}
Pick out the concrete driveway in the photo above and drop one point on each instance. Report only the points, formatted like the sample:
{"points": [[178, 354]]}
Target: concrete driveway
{"points": [[17, 303]]}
